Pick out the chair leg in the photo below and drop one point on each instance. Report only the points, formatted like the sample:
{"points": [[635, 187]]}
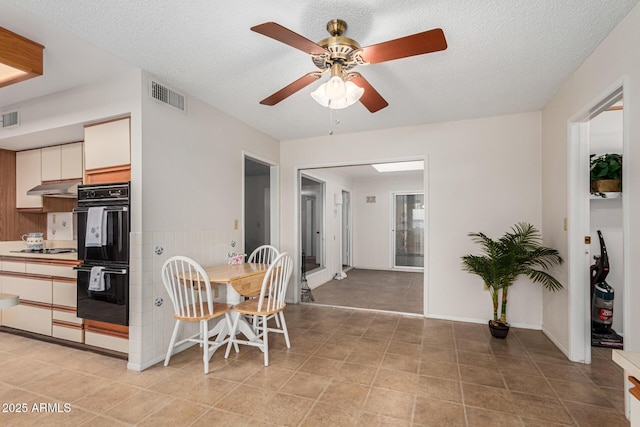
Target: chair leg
{"points": [[265, 341], [284, 329], [232, 337], [174, 335], [205, 344]]}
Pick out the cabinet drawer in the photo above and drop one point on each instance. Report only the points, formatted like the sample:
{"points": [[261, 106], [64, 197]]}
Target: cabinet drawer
{"points": [[51, 270], [66, 316], [66, 333], [64, 293], [28, 289], [16, 267], [28, 318], [107, 341]]}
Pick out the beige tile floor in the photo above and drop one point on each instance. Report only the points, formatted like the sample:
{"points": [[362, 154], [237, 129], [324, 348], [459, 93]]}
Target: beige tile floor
{"points": [[399, 291], [345, 368]]}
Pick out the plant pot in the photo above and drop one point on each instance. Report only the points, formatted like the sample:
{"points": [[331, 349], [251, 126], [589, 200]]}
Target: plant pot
{"points": [[606, 186], [498, 329]]}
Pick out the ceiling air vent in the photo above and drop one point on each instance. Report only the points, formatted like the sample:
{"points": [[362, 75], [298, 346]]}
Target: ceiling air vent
{"points": [[9, 119], [167, 96]]}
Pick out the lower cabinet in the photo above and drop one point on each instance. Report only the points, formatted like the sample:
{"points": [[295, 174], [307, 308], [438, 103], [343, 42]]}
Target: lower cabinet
{"points": [[48, 303], [47, 299], [33, 314], [107, 341], [28, 318]]}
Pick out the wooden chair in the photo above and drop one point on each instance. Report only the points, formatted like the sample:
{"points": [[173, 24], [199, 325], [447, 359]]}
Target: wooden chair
{"points": [[189, 289], [270, 304], [264, 254]]}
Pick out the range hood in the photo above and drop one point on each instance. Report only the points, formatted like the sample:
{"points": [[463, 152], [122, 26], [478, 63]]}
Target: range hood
{"points": [[58, 189]]}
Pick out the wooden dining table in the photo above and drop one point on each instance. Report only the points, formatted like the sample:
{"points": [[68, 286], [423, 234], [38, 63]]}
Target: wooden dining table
{"points": [[241, 280]]}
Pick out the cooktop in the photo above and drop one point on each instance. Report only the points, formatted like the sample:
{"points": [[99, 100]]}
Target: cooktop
{"points": [[47, 251]]}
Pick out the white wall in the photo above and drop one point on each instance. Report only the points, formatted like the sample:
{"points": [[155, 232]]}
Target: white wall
{"points": [[483, 175], [614, 60], [372, 243], [191, 187], [83, 104]]}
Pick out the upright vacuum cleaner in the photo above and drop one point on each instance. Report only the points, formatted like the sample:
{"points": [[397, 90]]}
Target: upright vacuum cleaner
{"points": [[602, 335]]}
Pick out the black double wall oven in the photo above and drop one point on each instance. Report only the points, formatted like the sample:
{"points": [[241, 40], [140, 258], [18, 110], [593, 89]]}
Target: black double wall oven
{"points": [[107, 259]]}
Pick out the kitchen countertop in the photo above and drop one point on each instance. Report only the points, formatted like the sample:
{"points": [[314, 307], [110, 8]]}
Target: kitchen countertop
{"points": [[6, 249], [628, 360]]}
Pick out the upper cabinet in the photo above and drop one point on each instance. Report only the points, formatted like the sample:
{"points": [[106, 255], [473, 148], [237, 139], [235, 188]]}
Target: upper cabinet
{"points": [[28, 175], [107, 145], [62, 162], [56, 163]]}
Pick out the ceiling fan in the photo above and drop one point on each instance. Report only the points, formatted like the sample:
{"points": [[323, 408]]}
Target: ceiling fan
{"points": [[339, 55]]}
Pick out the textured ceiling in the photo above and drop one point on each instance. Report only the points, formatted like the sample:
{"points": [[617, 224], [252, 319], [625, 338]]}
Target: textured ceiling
{"points": [[504, 56]]}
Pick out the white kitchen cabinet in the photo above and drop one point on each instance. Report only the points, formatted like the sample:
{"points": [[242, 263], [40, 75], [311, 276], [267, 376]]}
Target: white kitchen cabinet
{"points": [[51, 270], [64, 294], [51, 163], [28, 175], [28, 318], [62, 162], [47, 299], [107, 144], [33, 314], [106, 341], [72, 161], [29, 289], [14, 266]]}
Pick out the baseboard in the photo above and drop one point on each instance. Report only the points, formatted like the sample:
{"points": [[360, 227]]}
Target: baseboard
{"points": [[482, 321], [560, 347]]}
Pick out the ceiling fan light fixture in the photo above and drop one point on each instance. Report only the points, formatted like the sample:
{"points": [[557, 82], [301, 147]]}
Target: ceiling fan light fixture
{"points": [[352, 95], [335, 88]]}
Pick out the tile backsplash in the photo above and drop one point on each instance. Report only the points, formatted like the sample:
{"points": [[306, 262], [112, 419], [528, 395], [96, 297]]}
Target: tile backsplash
{"points": [[60, 226]]}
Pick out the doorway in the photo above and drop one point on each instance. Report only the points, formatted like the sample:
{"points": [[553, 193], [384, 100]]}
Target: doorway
{"points": [[590, 212], [260, 203], [357, 242]]}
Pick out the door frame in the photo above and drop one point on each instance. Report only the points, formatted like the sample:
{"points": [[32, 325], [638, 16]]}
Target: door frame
{"points": [[298, 169], [320, 220], [346, 231], [579, 221]]}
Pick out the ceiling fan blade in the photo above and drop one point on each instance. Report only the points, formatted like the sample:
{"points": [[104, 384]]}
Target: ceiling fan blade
{"points": [[288, 37], [416, 44], [370, 98], [290, 89]]}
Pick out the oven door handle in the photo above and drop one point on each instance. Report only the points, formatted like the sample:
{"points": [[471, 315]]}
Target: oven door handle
{"points": [[106, 270], [108, 209]]}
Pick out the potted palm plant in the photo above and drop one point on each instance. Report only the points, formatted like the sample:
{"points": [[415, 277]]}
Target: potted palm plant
{"points": [[518, 252]]}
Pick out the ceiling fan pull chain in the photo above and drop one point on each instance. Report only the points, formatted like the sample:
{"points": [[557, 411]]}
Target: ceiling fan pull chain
{"points": [[330, 121]]}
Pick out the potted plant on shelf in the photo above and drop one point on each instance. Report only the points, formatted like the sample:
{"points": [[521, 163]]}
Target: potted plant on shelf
{"points": [[606, 173], [518, 252]]}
